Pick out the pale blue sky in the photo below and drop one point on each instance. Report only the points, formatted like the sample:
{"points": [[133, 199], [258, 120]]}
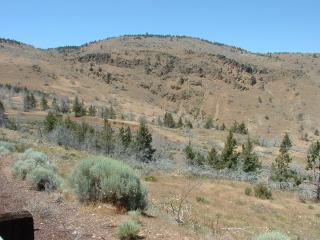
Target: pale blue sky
{"points": [[259, 26]]}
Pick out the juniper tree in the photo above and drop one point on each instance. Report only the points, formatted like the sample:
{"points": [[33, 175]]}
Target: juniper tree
{"points": [[168, 120], [180, 123], [64, 106], [209, 123], [50, 122], [143, 143], [92, 111], [44, 103], [2, 110], [106, 138], [29, 102], [54, 105], [214, 160], [188, 150], [250, 159], [78, 108], [107, 113], [313, 163], [127, 137], [280, 169], [229, 156]]}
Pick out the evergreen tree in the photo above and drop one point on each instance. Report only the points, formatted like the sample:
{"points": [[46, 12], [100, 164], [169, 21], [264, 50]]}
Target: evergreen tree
{"points": [[180, 123], [280, 168], [209, 123], [78, 108], [313, 163], [107, 113], [250, 159], [106, 138], [214, 159], [229, 156], [29, 102], [50, 122], [168, 120], [92, 111], [44, 103], [286, 143], [64, 106], [239, 128], [54, 105], [143, 143], [112, 113], [188, 150], [127, 137], [2, 116]]}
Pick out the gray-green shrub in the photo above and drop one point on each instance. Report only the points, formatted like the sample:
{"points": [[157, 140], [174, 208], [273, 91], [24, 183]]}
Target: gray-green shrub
{"points": [[273, 236], [128, 230], [30, 160], [108, 180], [6, 148], [43, 179], [39, 172]]}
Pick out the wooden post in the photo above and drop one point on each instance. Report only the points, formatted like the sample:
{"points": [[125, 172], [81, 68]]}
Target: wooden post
{"points": [[16, 226]]}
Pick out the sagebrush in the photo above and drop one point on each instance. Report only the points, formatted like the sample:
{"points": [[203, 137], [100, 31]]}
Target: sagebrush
{"points": [[108, 180]]}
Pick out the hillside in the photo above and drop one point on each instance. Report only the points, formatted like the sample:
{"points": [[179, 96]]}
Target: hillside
{"points": [[153, 119], [148, 75]]}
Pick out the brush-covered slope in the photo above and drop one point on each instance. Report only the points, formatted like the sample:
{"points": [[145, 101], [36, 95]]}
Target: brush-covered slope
{"points": [[148, 75]]}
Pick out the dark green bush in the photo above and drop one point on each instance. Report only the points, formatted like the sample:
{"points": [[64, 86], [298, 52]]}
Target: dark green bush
{"points": [[108, 180], [262, 191], [248, 191]]}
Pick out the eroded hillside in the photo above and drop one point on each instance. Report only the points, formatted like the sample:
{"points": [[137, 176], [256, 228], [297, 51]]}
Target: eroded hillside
{"points": [[148, 75]]}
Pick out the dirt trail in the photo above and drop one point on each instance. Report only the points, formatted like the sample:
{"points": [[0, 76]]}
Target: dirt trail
{"points": [[15, 196]]}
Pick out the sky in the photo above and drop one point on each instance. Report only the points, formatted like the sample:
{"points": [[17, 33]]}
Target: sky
{"points": [[255, 25]]}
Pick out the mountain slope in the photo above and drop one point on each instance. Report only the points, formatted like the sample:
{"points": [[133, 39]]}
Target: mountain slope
{"points": [[197, 79]]}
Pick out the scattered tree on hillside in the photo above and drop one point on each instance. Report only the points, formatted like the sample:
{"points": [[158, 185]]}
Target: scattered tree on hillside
{"points": [[281, 171], [313, 163], [125, 136], [107, 113], [229, 156], [250, 159], [188, 150], [209, 123], [168, 120], [143, 143], [92, 111], [2, 110], [239, 128], [180, 123], [29, 102], [50, 122], [44, 103], [64, 106], [54, 105], [78, 108], [214, 159], [106, 138]]}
